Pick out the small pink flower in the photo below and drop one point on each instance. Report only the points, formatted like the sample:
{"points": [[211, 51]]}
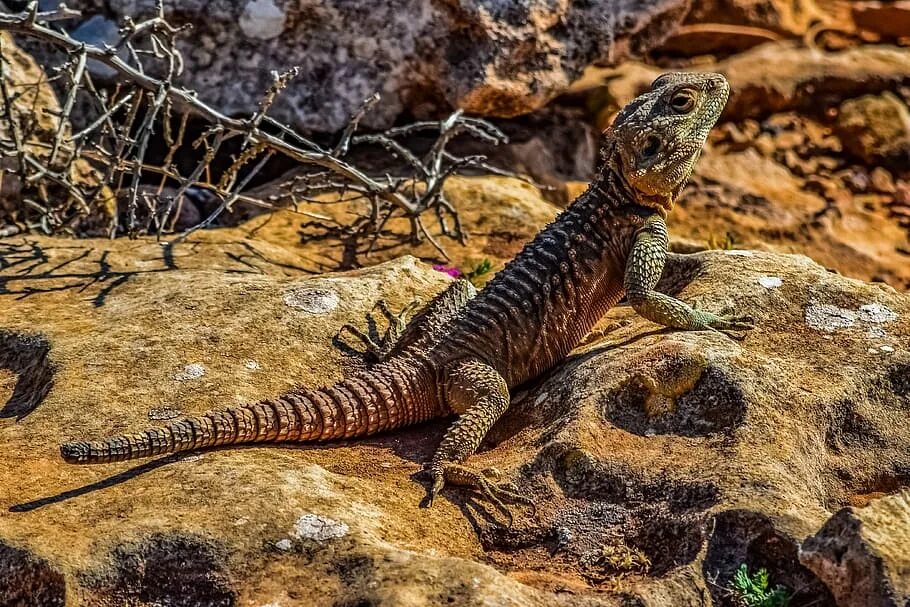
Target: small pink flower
{"points": [[451, 271]]}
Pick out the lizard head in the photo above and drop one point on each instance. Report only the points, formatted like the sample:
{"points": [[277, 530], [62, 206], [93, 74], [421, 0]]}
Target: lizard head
{"points": [[658, 137]]}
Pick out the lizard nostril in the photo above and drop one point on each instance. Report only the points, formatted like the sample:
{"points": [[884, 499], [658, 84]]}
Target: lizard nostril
{"points": [[717, 82]]}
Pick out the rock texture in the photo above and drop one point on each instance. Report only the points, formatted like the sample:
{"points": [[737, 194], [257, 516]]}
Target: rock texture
{"points": [[863, 554], [489, 57], [876, 128], [499, 215], [660, 460], [804, 79]]}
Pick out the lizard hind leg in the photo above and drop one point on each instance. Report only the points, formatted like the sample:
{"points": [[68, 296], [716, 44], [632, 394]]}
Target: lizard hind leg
{"points": [[377, 349], [480, 395], [426, 325]]}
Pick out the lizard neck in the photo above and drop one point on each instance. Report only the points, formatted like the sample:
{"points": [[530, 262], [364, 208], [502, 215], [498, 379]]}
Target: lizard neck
{"points": [[540, 306]]}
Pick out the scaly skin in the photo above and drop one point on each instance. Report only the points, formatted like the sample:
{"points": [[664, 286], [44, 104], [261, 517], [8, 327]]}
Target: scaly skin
{"points": [[463, 353]]}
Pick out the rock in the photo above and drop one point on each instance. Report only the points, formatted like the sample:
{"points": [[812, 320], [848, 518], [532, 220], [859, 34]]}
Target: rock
{"points": [[876, 128], [659, 461], [889, 19], [883, 181], [675, 425], [802, 79], [723, 27], [103, 33], [488, 57], [745, 199], [863, 554], [716, 39], [786, 17], [499, 215]]}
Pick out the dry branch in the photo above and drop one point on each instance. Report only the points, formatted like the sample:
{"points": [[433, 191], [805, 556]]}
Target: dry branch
{"points": [[146, 99]]}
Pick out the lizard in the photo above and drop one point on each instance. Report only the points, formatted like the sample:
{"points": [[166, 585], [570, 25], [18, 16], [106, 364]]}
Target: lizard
{"points": [[463, 352]]}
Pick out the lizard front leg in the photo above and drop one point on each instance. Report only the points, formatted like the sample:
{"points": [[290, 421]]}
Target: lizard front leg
{"points": [[643, 270], [480, 395]]}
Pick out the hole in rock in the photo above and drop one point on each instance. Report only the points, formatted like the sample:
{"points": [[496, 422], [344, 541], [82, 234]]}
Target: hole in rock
{"points": [[742, 536], [27, 580], [883, 484], [899, 378], [715, 404], [173, 570], [609, 521], [26, 373]]}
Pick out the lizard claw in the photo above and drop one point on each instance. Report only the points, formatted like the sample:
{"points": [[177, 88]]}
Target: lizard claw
{"points": [[439, 482], [737, 323], [498, 493], [727, 324]]}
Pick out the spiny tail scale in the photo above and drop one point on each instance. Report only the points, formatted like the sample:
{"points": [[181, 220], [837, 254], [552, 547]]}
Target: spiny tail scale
{"points": [[390, 395]]}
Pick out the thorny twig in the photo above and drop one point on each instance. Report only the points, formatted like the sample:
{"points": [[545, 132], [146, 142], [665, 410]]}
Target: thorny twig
{"points": [[116, 142]]}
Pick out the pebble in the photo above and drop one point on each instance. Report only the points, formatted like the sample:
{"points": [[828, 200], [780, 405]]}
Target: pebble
{"points": [[191, 371], [262, 20], [770, 282], [314, 301], [319, 528]]}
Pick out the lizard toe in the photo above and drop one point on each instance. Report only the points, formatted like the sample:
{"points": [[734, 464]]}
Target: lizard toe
{"points": [[739, 323], [499, 494]]}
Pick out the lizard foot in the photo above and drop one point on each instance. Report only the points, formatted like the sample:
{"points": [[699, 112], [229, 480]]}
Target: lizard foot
{"points": [[486, 481], [726, 324], [377, 351], [726, 321]]}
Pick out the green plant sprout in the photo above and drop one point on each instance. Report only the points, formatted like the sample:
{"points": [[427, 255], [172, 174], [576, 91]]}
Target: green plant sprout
{"points": [[754, 591]]}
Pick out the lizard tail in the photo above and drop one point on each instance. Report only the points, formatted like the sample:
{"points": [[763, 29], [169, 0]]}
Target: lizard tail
{"points": [[389, 396]]}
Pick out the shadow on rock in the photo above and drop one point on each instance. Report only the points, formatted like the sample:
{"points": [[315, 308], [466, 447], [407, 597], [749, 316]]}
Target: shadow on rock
{"points": [[26, 356]]}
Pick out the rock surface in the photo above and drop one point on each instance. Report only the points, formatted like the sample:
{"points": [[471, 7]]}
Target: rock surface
{"points": [[488, 57], [876, 128], [863, 554], [660, 460], [499, 215], [803, 79]]}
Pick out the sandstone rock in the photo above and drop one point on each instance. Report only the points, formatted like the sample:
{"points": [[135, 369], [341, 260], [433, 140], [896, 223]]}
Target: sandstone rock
{"points": [[863, 554], [890, 19], [802, 79], [499, 215], [876, 128], [489, 57], [723, 27], [743, 199], [787, 17], [632, 447]]}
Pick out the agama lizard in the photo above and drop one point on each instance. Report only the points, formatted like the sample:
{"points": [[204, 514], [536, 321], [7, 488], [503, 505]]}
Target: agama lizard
{"points": [[462, 353]]}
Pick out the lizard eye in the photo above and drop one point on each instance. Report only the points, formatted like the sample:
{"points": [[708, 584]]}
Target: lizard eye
{"points": [[650, 147], [683, 101]]}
